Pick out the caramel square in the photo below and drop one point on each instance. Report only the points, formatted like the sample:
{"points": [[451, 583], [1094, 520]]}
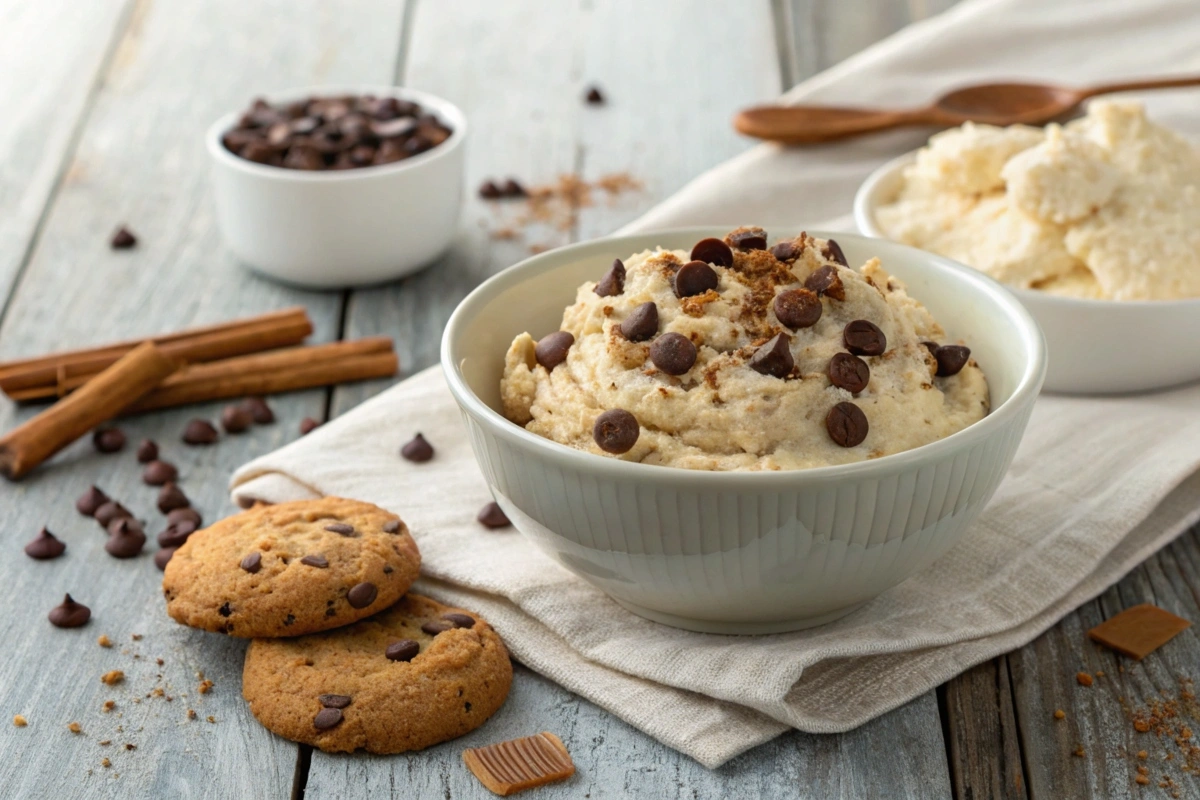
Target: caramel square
{"points": [[1138, 631], [513, 766]]}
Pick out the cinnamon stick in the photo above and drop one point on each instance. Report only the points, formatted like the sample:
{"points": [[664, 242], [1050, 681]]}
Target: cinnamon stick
{"points": [[57, 374], [128, 379]]}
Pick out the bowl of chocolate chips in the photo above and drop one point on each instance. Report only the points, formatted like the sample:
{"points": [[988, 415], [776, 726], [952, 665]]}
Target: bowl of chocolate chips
{"points": [[335, 187]]}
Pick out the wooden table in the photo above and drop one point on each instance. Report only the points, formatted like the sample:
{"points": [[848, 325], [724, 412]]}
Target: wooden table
{"points": [[105, 104]]}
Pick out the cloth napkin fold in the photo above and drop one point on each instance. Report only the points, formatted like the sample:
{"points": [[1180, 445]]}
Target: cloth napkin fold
{"points": [[1097, 486]]}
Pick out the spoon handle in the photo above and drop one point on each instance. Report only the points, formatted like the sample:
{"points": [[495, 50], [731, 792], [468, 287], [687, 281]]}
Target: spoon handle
{"points": [[812, 124], [1151, 83]]}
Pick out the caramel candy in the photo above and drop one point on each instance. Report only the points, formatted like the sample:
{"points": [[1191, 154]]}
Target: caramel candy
{"points": [[1138, 631], [519, 764]]}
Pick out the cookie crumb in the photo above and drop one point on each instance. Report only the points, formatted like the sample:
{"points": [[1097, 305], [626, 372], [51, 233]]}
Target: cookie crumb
{"points": [[104, 762], [1141, 780], [104, 641], [1059, 713], [211, 718], [191, 713], [1083, 678], [105, 742], [1143, 755], [20, 721], [1079, 751], [158, 661], [74, 727], [130, 746], [205, 687], [108, 706], [137, 637], [112, 677], [158, 692], [1099, 673]]}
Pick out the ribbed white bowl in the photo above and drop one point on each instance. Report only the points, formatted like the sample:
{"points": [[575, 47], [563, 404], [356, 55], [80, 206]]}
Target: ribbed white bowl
{"points": [[741, 552]]}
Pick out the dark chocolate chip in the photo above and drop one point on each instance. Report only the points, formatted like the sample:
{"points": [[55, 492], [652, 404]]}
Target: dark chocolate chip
{"points": [[70, 614], [225, 610], [122, 239], [109, 511], [713, 251], [124, 524], [673, 353], [108, 440], [236, 419], [308, 425], [552, 349], [613, 282], [847, 424], [864, 338], [774, 358], [459, 620], [391, 526], [594, 96], [695, 277], [315, 560], [833, 252], [176, 533], [90, 501], [334, 700], [45, 545], [931, 347], [181, 514], [488, 190], [492, 516], [951, 358], [848, 372], [362, 594], [826, 281], [753, 239], [403, 650], [327, 718], [260, 412], [171, 497], [513, 188], [163, 556], [387, 569], [147, 451], [434, 627], [616, 431], [126, 539], [786, 251], [200, 432], [340, 528], [158, 473], [252, 563], [642, 322], [798, 308], [417, 450]]}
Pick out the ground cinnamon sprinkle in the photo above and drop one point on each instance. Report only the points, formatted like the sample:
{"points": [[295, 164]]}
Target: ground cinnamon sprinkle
{"points": [[557, 204], [1168, 720]]}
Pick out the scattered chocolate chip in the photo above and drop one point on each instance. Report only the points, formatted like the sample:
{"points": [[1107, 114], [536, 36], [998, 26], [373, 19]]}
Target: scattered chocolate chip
{"points": [[171, 497], [642, 322], [459, 620], [45, 545], [327, 718], [236, 419], [200, 432], [931, 347], [176, 533], [774, 358], [616, 431], [847, 424], [147, 451], [180, 514], [752, 239], [252, 563], [417, 450], [109, 511], [387, 569], [403, 650], [492, 516], [594, 96], [340, 528], [163, 556], [552, 349], [308, 425], [260, 412], [122, 239], [90, 501], [513, 188], [126, 539], [434, 627], [315, 560], [951, 358], [334, 700], [798, 308], [158, 473], [693, 278], [713, 251], [848, 372], [786, 251], [225, 610], [833, 252], [488, 190], [864, 338], [391, 526], [70, 614], [826, 281], [108, 440], [362, 595], [673, 353], [122, 524], [613, 282]]}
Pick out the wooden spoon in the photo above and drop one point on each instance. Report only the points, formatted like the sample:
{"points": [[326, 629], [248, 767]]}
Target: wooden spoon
{"points": [[993, 103]]}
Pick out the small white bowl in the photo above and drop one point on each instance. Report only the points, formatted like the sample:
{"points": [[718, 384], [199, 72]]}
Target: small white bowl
{"points": [[345, 227], [741, 552], [1095, 346]]}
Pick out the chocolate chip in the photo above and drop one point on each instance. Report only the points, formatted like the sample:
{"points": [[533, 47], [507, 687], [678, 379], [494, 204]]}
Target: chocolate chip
{"points": [[459, 620], [673, 353], [391, 526], [833, 252], [315, 560], [126, 539], [552, 349], [362, 595], [70, 614], [491, 516], [847, 424], [798, 308], [340, 528], [109, 511], [124, 524], [753, 239], [236, 419], [225, 610], [864, 338], [90, 501], [931, 347], [826, 281], [786, 251], [180, 514], [392, 128], [200, 432], [616, 431], [158, 473], [122, 239], [308, 425], [260, 412], [774, 358], [388, 569], [951, 358], [163, 556], [108, 440], [252, 563], [713, 251], [434, 627], [848, 372], [171, 497], [403, 650], [417, 450], [594, 96], [176, 533], [334, 700], [513, 188], [642, 323], [44, 546], [693, 278], [488, 190], [147, 451], [613, 282], [327, 718]]}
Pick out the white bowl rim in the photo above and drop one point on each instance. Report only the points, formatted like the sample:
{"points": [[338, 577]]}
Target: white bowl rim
{"points": [[864, 218], [439, 105], [996, 421]]}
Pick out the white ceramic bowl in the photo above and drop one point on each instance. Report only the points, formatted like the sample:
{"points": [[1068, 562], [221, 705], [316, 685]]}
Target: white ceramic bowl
{"points": [[741, 552], [344, 227], [1095, 346]]}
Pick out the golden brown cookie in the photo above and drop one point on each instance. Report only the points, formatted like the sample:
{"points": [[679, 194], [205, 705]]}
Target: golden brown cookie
{"points": [[291, 569], [414, 675]]}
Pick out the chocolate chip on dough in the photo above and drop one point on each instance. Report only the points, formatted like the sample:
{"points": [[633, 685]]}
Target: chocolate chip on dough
{"points": [[798, 308], [847, 424], [713, 251], [848, 372], [863, 338], [951, 358], [616, 431], [774, 358], [826, 281], [693, 278], [642, 323], [673, 353], [551, 350], [613, 282]]}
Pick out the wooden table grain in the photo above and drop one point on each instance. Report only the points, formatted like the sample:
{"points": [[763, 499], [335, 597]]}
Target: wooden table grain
{"points": [[106, 102]]}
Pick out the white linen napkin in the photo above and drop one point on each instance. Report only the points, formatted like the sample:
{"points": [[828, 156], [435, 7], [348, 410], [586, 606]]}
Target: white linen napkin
{"points": [[1097, 486]]}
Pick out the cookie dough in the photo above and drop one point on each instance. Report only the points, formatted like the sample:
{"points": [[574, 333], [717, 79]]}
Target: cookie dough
{"points": [[291, 569], [740, 373], [1105, 207], [340, 691]]}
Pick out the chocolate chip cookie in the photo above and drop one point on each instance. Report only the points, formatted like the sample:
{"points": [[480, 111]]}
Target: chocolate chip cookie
{"points": [[414, 675], [291, 569]]}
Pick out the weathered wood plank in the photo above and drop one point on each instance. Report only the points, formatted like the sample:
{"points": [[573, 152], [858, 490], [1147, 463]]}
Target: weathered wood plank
{"points": [[140, 160], [982, 738]]}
